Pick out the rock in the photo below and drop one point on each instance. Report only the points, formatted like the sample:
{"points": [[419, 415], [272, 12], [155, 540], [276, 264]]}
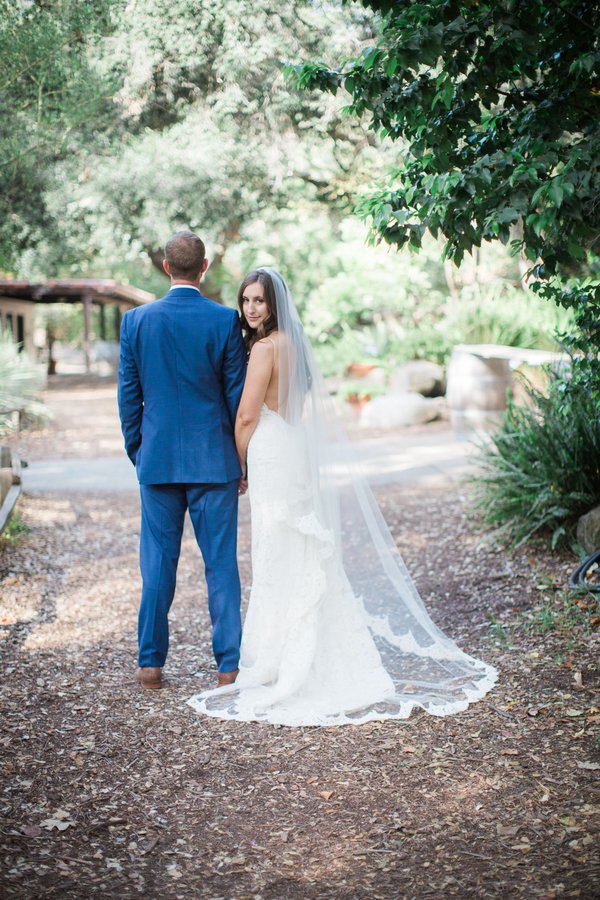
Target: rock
{"points": [[420, 376], [588, 530], [394, 410]]}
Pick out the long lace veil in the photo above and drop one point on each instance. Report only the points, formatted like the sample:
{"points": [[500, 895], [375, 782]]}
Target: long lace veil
{"points": [[428, 669]]}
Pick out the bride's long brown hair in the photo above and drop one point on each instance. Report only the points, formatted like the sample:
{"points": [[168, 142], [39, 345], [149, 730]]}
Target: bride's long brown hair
{"points": [[269, 324]]}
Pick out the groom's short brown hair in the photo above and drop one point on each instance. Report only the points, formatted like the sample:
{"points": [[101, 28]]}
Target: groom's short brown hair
{"points": [[185, 254]]}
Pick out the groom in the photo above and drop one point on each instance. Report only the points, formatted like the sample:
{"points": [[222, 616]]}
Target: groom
{"points": [[181, 375]]}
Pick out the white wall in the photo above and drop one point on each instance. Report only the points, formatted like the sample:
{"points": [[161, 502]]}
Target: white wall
{"points": [[18, 312]]}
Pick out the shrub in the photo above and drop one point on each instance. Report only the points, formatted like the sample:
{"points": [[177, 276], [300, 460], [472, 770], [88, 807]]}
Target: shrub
{"points": [[541, 470], [502, 314]]}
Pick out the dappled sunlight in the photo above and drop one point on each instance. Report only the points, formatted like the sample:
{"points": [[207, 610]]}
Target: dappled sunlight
{"points": [[20, 598], [51, 510], [91, 610]]}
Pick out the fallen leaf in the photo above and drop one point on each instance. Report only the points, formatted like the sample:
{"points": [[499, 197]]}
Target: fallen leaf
{"points": [[326, 795], [149, 845], [31, 830], [507, 830], [593, 766], [59, 824], [173, 871]]}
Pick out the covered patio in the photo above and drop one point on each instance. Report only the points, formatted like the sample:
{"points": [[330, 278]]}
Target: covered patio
{"points": [[17, 300]]}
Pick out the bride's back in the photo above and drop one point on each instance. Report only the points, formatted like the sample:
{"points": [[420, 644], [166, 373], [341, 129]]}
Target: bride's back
{"points": [[279, 384]]}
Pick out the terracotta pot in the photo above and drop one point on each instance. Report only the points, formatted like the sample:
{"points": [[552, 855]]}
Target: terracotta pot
{"points": [[357, 402], [359, 370]]}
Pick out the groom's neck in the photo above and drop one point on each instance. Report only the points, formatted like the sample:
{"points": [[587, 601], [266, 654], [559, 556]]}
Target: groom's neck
{"points": [[179, 282]]}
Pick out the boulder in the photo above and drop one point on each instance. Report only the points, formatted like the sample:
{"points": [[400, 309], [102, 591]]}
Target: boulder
{"points": [[420, 376], [395, 410], [588, 530]]}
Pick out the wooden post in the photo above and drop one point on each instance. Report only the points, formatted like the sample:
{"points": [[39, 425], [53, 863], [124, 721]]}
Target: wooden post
{"points": [[87, 321], [118, 317], [102, 322]]}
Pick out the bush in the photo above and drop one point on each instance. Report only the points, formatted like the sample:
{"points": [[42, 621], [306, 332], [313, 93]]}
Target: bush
{"points": [[541, 471], [19, 382], [503, 314]]}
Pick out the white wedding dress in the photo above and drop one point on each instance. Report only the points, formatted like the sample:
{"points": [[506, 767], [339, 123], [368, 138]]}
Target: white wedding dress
{"points": [[335, 631]]}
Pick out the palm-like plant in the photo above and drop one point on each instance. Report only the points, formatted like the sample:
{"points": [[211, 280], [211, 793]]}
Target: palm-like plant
{"points": [[19, 382], [541, 470]]}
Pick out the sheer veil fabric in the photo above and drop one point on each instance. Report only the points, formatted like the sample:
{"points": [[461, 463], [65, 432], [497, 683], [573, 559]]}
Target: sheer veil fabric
{"points": [[336, 632]]}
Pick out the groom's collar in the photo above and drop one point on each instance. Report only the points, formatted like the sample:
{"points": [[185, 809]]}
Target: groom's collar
{"points": [[185, 287]]}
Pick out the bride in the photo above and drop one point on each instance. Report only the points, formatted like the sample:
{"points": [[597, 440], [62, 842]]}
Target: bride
{"points": [[335, 632]]}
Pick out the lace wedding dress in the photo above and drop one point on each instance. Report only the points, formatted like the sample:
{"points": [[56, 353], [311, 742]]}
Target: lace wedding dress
{"points": [[335, 631]]}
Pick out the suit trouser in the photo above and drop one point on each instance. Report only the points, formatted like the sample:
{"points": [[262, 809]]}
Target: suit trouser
{"points": [[213, 511]]}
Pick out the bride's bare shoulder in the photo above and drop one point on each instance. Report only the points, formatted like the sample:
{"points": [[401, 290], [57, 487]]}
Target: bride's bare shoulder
{"points": [[264, 351], [275, 339]]}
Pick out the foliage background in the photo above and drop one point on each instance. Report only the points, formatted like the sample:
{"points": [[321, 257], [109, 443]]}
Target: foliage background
{"points": [[132, 119], [495, 106]]}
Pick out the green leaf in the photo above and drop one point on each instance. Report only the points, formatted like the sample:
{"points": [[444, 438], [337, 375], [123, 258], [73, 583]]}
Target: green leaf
{"points": [[556, 192], [390, 66], [508, 214]]}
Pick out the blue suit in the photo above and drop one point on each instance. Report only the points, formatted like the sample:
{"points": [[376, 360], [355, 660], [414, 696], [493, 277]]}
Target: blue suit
{"points": [[181, 375]]}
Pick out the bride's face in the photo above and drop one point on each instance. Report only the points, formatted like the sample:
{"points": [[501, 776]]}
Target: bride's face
{"points": [[254, 304]]}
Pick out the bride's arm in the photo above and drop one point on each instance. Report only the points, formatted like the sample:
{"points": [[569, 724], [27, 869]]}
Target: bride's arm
{"points": [[260, 367]]}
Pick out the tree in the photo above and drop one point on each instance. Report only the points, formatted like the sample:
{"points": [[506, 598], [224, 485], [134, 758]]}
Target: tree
{"points": [[210, 136], [52, 100], [496, 109]]}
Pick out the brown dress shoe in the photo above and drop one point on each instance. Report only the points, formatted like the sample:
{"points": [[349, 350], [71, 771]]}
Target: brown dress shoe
{"points": [[149, 677], [227, 677]]}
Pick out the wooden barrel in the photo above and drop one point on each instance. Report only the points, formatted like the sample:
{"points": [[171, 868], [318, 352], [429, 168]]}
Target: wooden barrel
{"points": [[478, 386]]}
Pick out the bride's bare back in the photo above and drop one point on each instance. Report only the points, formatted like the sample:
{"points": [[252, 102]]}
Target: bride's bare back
{"points": [[276, 393]]}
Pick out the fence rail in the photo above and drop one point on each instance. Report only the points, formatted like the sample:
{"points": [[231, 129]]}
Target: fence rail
{"points": [[10, 484]]}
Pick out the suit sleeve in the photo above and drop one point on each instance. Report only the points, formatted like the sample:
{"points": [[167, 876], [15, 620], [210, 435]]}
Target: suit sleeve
{"points": [[234, 368], [130, 396]]}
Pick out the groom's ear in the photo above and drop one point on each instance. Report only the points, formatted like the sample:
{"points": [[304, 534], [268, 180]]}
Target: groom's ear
{"points": [[204, 268], [166, 268]]}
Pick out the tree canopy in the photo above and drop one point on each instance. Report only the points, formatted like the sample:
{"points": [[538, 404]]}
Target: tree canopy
{"points": [[53, 102], [199, 129], [495, 107]]}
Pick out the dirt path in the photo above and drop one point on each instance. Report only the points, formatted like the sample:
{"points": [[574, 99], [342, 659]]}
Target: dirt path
{"points": [[115, 792]]}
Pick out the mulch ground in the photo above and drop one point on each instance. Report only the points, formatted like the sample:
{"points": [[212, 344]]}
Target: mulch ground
{"points": [[109, 790]]}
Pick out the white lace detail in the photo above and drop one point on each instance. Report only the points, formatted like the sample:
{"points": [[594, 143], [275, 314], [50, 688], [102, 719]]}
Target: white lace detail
{"points": [[311, 655]]}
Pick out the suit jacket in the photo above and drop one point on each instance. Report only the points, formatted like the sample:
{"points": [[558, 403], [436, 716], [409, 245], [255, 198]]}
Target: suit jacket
{"points": [[181, 373]]}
